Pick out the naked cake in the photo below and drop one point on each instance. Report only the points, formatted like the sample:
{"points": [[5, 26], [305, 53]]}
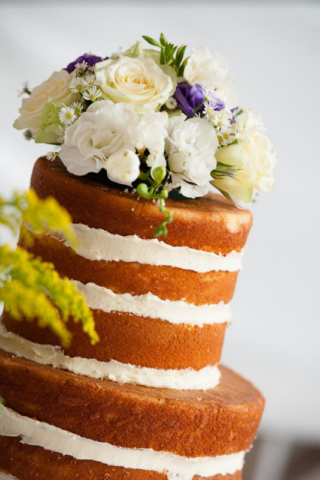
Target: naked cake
{"points": [[145, 136]]}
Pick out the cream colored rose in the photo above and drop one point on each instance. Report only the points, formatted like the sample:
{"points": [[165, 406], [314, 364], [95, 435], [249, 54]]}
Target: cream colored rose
{"points": [[263, 160], [55, 89], [138, 81], [253, 164]]}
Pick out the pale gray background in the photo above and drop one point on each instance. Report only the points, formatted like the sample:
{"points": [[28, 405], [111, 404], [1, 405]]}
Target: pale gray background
{"points": [[274, 57]]}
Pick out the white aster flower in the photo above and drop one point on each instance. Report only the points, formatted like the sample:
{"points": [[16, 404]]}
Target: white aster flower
{"points": [[226, 136], [61, 133], [191, 147], [78, 107], [77, 84], [92, 94], [51, 155], [25, 90], [67, 115], [209, 108], [90, 80], [123, 167], [221, 120], [171, 103], [82, 67]]}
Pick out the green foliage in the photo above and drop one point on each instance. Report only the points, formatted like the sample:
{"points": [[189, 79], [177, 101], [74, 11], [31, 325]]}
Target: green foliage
{"points": [[153, 190], [30, 288], [170, 54]]}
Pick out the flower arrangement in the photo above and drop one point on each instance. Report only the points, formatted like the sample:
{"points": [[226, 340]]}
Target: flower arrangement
{"points": [[156, 121], [30, 288]]}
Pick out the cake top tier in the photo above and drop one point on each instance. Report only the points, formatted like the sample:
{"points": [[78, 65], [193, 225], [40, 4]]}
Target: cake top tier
{"points": [[210, 223]]}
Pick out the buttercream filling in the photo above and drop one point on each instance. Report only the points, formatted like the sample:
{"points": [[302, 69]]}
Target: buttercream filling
{"points": [[6, 476], [184, 379], [33, 432], [151, 306], [98, 244]]}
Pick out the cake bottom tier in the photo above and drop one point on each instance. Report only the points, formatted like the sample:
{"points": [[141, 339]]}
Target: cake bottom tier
{"points": [[60, 425], [25, 462]]}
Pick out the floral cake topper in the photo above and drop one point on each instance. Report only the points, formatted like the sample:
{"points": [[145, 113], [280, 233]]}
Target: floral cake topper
{"points": [[154, 120]]}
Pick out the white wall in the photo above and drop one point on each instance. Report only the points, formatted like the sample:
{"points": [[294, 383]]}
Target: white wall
{"points": [[274, 56]]}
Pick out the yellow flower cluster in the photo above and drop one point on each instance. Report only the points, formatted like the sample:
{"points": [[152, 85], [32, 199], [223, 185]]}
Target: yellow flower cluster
{"points": [[39, 215], [30, 288]]}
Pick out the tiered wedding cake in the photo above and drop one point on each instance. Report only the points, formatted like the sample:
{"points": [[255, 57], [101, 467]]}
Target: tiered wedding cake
{"points": [[149, 400]]}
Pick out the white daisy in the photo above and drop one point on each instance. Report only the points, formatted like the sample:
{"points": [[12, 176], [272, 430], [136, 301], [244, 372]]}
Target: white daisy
{"points": [[51, 155], [92, 94], [61, 132], [209, 108], [171, 103], [82, 67], [77, 84], [90, 80], [67, 115], [78, 107], [209, 95], [225, 136]]}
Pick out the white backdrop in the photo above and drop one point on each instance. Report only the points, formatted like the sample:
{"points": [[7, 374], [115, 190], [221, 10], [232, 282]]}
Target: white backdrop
{"points": [[274, 57]]}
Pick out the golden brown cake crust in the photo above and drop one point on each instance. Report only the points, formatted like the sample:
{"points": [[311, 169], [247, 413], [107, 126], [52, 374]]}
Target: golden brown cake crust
{"points": [[140, 341], [220, 421], [136, 278], [27, 462], [209, 223]]}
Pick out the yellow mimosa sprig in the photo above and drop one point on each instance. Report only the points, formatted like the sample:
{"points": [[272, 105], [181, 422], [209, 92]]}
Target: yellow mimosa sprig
{"points": [[32, 289]]}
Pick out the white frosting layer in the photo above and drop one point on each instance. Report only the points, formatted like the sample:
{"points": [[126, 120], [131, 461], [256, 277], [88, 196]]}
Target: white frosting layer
{"points": [[185, 379], [98, 244], [151, 306], [57, 440], [6, 476]]}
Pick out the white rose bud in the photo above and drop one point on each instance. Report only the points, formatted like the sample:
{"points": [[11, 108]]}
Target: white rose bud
{"points": [[253, 162], [123, 167]]}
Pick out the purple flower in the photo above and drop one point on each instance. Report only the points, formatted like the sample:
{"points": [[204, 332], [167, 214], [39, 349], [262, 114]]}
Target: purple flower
{"points": [[218, 104], [90, 59], [189, 98]]}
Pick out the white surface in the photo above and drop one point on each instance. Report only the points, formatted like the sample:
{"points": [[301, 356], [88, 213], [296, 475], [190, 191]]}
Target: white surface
{"points": [[274, 56]]}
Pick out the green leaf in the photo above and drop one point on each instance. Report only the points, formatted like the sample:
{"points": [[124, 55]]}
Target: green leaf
{"points": [[151, 41], [180, 55], [163, 40]]}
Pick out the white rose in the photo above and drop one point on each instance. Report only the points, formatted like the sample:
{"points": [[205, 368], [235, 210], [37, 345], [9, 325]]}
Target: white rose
{"points": [[191, 147], [123, 167], [55, 89], [253, 162], [138, 81], [210, 70], [104, 129], [263, 159]]}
